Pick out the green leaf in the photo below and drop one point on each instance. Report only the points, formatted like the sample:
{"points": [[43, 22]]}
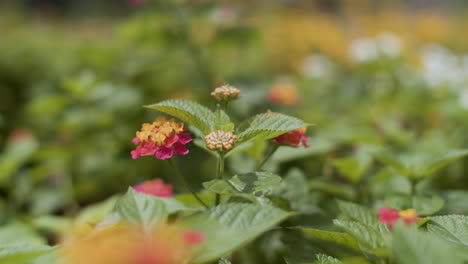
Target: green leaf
{"points": [[224, 261], [19, 234], [424, 205], [269, 125], [93, 214], [324, 259], [357, 213], [441, 160], [222, 121], [353, 168], [258, 181], [453, 228], [228, 227], [370, 239], [249, 183], [412, 246], [418, 165], [145, 210], [342, 239], [193, 113], [219, 186], [22, 254]]}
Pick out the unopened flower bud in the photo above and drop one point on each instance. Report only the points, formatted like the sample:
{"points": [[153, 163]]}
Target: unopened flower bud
{"points": [[225, 93], [220, 140]]}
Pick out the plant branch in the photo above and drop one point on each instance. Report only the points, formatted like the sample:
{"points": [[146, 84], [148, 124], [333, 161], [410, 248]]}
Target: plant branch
{"points": [[268, 155], [185, 183]]}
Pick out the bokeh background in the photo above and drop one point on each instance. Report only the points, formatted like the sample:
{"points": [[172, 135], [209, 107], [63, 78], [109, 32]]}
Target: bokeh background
{"points": [[369, 74]]}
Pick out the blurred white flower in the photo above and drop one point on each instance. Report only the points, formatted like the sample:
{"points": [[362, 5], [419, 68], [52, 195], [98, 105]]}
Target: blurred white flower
{"points": [[367, 49], [442, 67], [363, 49], [317, 66], [389, 44]]}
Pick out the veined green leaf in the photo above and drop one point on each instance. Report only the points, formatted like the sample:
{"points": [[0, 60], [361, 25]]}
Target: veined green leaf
{"points": [[412, 246], [269, 125], [424, 205], [324, 259], [353, 168], [357, 213], [370, 238], [22, 254], [222, 121], [342, 239], [453, 228], [193, 113], [230, 226], [145, 210]]}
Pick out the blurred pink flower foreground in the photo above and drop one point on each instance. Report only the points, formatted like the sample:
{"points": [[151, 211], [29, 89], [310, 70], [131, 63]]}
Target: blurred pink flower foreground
{"points": [[154, 187]]}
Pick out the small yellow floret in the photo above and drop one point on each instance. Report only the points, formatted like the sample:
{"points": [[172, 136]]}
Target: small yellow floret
{"points": [[410, 213]]}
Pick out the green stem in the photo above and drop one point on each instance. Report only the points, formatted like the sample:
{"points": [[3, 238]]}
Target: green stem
{"points": [[219, 174], [185, 183], [269, 154]]}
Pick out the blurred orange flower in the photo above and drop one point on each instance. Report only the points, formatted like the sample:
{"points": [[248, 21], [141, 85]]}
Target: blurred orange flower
{"points": [[283, 93], [165, 244]]}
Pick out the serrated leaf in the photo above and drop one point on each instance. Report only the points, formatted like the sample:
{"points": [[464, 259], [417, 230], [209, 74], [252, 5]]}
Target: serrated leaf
{"points": [[257, 181], [342, 239], [324, 259], [424, 205], [193, 113], [222, 121], [453, 228], [145, 210], [412, 246], [269, 125], [370, 238], [19, 234], [357, 213], [230, 226], [224, 261], [248, 183], [353, 168], [22, 254], [418, 165]]}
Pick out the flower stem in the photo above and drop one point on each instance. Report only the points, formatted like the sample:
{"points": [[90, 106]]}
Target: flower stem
{"points": [[219, 174], [185, 183], [269, 154]]}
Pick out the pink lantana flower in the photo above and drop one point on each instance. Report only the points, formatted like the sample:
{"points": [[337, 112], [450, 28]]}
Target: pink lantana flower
{"points": [[154, 187], [390, 216], [162, 139], [294, 138]]}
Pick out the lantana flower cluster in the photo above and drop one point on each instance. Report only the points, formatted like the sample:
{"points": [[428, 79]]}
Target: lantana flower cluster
{"points": [[155, 187], [163, 139], [295, 138], [390, 216], [220, 140], [125, 244], [225, 93]]}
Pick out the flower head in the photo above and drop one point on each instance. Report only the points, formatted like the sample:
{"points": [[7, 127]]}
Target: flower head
{"points": [[390, 216], [409, 216], [283, 93], [124, 244], [163, 138], [220, 140], [225, 93], [294, 138], [154, 187]]}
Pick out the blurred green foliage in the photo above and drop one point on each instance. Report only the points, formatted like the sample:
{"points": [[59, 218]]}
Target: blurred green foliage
{"points": [[71, 97]]}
